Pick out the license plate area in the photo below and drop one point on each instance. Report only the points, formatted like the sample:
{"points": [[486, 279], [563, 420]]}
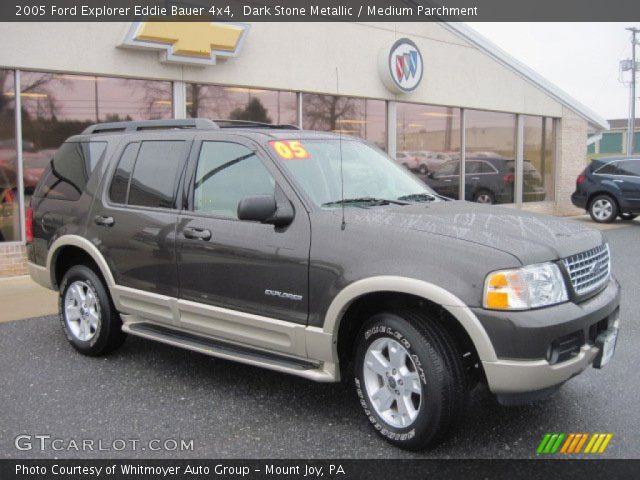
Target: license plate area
{"points": [[606, 343]]}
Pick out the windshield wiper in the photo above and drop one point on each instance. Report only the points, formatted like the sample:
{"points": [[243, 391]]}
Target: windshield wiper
{"points": [[418, 197], [367, 200]]}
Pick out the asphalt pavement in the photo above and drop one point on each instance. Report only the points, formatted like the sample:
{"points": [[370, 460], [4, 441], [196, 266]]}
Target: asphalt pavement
{"points": [[146, 392]]}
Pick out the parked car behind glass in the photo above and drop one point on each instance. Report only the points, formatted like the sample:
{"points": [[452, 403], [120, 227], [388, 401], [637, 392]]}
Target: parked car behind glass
{"points": [[488, 180]]}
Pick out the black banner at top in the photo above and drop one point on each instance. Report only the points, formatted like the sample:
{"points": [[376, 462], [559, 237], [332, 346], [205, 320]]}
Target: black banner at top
{"points": [[320, 10]]}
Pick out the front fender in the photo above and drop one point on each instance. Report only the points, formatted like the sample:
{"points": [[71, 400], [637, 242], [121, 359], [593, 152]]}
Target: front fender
{"points": [[387, 283]]}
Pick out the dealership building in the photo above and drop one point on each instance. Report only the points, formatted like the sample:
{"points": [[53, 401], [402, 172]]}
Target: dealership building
{"points": [[439, 98]]}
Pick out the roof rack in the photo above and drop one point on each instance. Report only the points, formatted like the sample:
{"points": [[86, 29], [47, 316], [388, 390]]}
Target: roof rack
{"points": [[136, 126], [223, 123], [195, 123]]}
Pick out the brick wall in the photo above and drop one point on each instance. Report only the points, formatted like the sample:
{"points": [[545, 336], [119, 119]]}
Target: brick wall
{"points": [[13, 260], [572, 158]]}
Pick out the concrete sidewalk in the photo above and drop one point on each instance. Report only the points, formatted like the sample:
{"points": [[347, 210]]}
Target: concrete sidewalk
{"points": [[21, 297]]}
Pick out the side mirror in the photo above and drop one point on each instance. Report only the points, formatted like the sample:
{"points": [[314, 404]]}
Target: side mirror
{"points": [[264, 209]]}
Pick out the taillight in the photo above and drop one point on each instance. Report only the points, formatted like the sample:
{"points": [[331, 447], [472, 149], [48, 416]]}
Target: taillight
{"points": [[509, 178], [28, 224], [580, 179]]}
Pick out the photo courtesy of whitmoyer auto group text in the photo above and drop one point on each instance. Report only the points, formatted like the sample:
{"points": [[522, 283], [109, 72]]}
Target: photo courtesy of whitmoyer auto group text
{"points": [[339, 239]]}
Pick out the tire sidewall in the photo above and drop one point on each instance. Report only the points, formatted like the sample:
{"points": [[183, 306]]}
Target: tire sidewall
{"points": [[86, 275], [388, 325]]}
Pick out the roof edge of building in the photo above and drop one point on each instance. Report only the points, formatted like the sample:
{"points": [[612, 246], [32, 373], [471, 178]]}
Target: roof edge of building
{"points": [[509, 61]]}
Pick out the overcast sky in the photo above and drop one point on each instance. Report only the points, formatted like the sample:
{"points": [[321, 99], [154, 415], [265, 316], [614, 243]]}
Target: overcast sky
{"points": [[580, 58]]}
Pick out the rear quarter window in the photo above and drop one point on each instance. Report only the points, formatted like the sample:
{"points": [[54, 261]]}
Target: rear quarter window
{"points": [[67, 174], [609, 169]]}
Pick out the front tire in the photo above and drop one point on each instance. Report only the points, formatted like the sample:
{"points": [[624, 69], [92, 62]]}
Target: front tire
{"points": [[603, 209], [409, 378], [89, 319]]}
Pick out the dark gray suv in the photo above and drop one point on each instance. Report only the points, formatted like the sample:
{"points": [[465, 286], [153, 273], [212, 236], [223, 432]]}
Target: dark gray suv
{"points": [[314, 254]]}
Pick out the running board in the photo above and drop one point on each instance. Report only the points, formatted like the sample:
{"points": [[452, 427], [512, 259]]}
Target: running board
{"points": [[215, 348]]}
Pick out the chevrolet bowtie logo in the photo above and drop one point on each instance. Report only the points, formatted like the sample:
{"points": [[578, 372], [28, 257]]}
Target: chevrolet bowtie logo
{"points": [[188, 42]]}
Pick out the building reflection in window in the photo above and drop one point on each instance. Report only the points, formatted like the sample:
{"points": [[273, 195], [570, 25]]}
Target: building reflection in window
{"points": [[490, 139], [539, 150], [359, 117], [57, 106], [236, 103], [9, 198], [428, 144]]}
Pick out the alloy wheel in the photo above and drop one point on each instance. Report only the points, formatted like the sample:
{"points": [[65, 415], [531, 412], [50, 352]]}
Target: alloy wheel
{"points": [[392, 382], [81, 311], [602, 209]]}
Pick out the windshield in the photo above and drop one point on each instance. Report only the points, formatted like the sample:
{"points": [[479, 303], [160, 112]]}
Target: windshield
{"points": [[368, 173]]}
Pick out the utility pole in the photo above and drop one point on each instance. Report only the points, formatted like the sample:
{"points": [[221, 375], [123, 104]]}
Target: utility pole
{"points": [[632, 110]]}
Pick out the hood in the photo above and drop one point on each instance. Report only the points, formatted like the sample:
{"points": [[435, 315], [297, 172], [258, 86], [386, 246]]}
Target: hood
{"points": [[531, 237]]}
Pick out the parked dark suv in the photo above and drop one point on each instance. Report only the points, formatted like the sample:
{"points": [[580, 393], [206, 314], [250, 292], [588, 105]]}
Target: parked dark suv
{"points": [[487, 180], [608, 188], [314, 254]]}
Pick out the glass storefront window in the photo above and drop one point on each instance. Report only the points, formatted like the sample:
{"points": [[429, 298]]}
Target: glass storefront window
{"points": [[235, 103], [539, 146], [359, 117], [56, 106], [9, 198], [428, 144], [490, 156]]}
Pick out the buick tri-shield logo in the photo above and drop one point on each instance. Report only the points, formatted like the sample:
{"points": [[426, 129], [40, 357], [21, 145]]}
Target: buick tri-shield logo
{"points": [[405, 66]]}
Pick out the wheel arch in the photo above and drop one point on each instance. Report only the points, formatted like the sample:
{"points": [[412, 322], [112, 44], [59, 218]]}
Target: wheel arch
{"points": [[608, 193], [76, 243], [429, 292]]}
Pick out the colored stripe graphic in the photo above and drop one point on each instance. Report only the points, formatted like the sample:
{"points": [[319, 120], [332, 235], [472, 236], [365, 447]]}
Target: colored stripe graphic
{"points": [[581, 443], [572, 443], [550, 443]]}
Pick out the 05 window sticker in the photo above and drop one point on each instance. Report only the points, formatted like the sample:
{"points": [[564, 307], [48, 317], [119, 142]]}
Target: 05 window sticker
{"points": [[290, 150]]}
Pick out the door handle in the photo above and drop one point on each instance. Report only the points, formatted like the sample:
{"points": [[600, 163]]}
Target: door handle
{"points": [[104, 221], [475, 178], [447, 180], [619, 181], [197, 233]]}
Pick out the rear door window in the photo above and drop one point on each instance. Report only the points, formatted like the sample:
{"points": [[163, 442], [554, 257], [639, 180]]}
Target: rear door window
{"points": [[119, 188], [70, 169], [155, 173]]}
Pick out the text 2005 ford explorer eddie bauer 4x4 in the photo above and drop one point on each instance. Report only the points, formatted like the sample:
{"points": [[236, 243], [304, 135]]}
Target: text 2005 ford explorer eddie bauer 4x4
{"points": [[315, 255]]}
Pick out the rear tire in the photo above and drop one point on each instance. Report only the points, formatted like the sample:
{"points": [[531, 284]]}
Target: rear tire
{"points": [[409, 378], [89, 319], [627, 217], [603, 209]]}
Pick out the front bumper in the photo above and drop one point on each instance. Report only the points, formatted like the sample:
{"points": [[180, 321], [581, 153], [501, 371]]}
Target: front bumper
{"points": [[522, 341]]}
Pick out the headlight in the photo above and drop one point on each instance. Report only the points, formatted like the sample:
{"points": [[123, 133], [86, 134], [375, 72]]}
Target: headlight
{"points": [[523, 288]]}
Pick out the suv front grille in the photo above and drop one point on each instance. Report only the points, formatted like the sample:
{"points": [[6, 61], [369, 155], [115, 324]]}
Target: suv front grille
{"points": [[589, 270]]}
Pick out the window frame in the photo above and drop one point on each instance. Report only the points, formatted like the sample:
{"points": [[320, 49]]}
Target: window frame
{"points": [[113, 174], [192, 188], [597, 172], [282, 182], [177, 188]]}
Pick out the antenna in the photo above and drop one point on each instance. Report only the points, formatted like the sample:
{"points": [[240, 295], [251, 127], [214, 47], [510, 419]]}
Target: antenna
{"points": [[343, 224]]}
